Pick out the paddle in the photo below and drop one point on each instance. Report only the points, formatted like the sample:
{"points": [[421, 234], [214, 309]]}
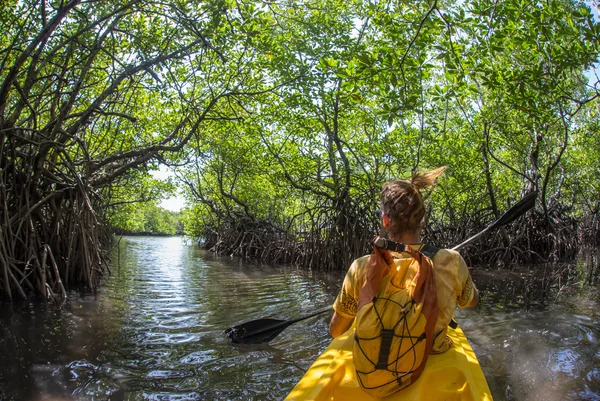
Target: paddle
{"points": [[510, 215], [264, 330]]}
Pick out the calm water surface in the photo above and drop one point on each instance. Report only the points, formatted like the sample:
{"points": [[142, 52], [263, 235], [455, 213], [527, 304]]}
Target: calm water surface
{"points": [[154, 332]]}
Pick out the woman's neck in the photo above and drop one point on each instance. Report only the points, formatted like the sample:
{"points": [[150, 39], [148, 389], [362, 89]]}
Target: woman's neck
{"points": [[410, 237]]}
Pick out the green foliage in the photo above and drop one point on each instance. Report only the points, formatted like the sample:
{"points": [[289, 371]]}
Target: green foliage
{"points": [[147, 219], [370, 91], [134, 208]]}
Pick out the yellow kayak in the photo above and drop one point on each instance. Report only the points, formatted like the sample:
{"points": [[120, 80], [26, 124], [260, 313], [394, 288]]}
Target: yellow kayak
{"points": [[454, 375]]}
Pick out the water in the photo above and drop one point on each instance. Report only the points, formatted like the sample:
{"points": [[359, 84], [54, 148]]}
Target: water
{"points": [[154, 332], [549, 351]]}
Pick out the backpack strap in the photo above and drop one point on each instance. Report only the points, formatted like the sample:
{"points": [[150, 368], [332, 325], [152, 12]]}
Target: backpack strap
{"points": [[425, 293], [429, 250]]}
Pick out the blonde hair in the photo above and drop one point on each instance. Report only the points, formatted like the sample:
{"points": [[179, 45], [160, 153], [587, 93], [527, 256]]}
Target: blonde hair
{"points": [[403, 202]]}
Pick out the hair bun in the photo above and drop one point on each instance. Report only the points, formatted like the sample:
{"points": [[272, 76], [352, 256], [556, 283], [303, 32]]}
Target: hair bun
{"points": [[426, 179]]}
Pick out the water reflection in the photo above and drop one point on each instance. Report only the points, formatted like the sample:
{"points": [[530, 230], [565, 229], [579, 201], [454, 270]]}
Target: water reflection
{"points": [[154, 332], [547, 354]]}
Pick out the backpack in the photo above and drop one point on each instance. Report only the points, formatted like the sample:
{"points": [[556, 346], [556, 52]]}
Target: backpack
{"points": [[395, 331]]}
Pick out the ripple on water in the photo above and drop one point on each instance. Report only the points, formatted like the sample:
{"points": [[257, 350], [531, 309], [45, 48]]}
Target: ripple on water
{"points": [[174, 396], [565, 361], [161, 338], [169, 374], [198, 357]]}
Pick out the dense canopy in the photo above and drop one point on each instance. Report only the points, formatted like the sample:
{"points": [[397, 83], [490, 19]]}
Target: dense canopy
{"points": [[283, 118]]}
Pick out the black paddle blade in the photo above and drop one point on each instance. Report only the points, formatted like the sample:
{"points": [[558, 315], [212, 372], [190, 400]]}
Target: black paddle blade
{"points": [[263, 330], [258, 338], [257, 331], [516, 211]]}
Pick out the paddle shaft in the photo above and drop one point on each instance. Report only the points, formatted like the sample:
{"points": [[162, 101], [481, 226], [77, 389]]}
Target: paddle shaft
{"points": [[309, 316], [516, 211], [286, 323], [473, 238]]}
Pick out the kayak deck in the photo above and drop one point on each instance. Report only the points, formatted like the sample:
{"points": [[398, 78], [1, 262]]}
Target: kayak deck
{"points": [[454, 375]]}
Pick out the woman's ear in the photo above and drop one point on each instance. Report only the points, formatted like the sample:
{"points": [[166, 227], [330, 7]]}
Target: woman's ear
{"points": [[386, 220]]}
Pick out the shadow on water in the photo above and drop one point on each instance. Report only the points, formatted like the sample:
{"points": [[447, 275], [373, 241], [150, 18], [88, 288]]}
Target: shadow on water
{"points": [[155, 329]]}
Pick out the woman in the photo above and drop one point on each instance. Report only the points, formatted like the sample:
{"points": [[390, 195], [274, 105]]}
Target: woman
{"points": [[403, 211]]}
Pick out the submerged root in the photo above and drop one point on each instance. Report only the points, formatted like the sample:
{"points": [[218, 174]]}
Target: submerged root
{"points": [[338, 235], [330, 243], [51, 238]]}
